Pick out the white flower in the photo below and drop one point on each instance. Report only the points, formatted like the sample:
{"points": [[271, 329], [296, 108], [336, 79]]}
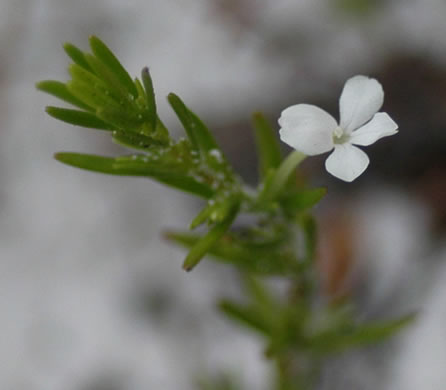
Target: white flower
{"points": [[312, 131]]}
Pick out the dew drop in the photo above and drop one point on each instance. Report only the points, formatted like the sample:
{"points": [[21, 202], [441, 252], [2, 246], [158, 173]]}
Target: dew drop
{"points": [[216, 154]]}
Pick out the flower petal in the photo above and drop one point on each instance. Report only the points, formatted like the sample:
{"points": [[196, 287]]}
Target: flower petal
{"points": [[381, 125], [307, 128], [360, 99], [347, 162]]}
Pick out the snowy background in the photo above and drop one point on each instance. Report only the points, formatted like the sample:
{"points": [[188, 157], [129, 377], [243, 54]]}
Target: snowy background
{"points": [[92, 298]]}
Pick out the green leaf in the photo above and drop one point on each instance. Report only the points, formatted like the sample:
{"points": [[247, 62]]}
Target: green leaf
{"points": [[258, 292], [215, 211], [91, 94], [223, 209], [110, 79], [310, 236], [76, 55], [103, 53], [276, 180], [205, 243], [99, 90], [139, 140], [60, 90], [246, 315], [288, 323], [202, 216], [334, 341], [198, 133], [150, 95], [78, 73], [78, 118], [118, 117], [268, 148], [161, 133], [258, 260], [302, 200], [89, 162], [130, 167]]}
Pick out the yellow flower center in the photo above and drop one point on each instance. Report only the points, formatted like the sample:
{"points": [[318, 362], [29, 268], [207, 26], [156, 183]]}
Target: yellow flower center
{"points": [[340, 136]]}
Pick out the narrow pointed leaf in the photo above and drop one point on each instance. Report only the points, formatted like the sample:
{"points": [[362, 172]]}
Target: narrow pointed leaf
{"points": [[201, 217], [91, 96], [161, 133], [138, 138], [150, 95], [245, 315], [302, 200], [118, 166], [258, 261], [362, 335], [268, 148], [277, 179], [102, 52], [198, 133], [214, 212], [206, 140], [373, 333], [120, 118], [184, 117], [223, 208], [95, 84], [89, 162], [76, 55], [140, 90], [205, 243], [258, 292], [60, 90], [78, 73], [78, 118], [110, 79]]}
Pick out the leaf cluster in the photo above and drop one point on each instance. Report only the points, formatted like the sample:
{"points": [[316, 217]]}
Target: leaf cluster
{"points": [[104, 97], [314, 331]]}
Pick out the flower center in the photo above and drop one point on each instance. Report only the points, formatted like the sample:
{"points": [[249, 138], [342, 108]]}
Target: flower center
{"points": [[339, 136]]}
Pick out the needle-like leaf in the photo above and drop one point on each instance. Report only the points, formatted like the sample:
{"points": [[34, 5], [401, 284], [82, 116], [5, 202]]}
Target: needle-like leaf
{"points": [[205, 243], [150, 95], [303, 199], [60, 90], [198, 133], [78, 118], [76, 55], [335, 340], [129, 167], [102, 52], [258, 260], [268, 148]]}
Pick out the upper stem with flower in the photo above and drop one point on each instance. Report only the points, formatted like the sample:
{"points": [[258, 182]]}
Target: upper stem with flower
{"points": [[297, 334]]}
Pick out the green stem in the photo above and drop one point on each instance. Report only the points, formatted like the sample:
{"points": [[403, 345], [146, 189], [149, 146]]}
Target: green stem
{"points": [[281, 176]]}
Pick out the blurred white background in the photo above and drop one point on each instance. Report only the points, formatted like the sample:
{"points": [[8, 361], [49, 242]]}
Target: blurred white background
{"points": [[92, 298]]}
